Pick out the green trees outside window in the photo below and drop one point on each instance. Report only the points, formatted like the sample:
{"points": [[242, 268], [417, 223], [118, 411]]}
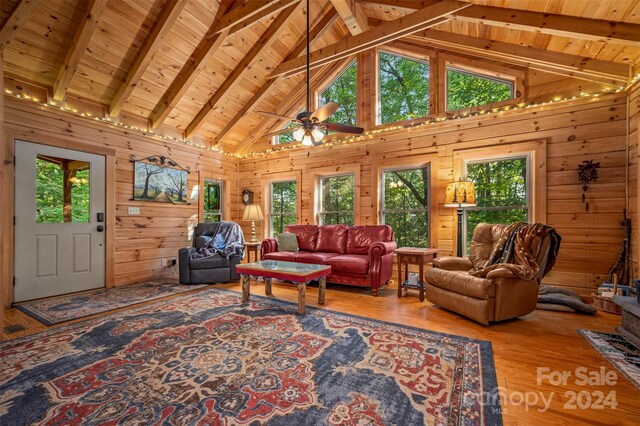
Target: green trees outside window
{"points": [[343, 90], [337, 200], [405, 205], [285, 137], [212, 200], [62, 190], [501, 192], [466, 89], [404, 88], [283, 206]]}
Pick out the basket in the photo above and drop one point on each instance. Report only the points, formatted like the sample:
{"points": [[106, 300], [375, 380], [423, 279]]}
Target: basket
{"points": [[606, 304]]}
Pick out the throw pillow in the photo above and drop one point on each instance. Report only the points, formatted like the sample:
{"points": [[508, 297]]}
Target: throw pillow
{"points": [[287, 241]]}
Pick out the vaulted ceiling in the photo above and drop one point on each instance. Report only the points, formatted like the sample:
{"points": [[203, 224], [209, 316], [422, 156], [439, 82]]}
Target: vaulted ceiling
{"points": [[205, 66]]}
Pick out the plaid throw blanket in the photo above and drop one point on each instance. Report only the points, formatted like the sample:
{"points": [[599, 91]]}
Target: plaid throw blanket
{"points": [[228, 241], [519, 248]]}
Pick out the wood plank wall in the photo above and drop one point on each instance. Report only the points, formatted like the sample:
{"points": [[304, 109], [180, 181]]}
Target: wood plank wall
{"points": [[634, 164], [160, 229], [585, 129]]}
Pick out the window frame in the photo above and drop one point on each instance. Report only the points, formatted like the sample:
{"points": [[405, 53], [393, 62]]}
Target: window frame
{"points": [[381, 193], [270, 211], [265, 184], [222, 198], [320, 211], [378, 84], [330, 81], [479, 73]]}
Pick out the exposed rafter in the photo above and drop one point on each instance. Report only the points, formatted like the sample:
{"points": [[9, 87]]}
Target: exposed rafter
{"points": [[21, 13], [227, 22], [273, 32], [558, 63], [163, 25], [352, 15], [78, 47], [316, 32], [386, 32]]}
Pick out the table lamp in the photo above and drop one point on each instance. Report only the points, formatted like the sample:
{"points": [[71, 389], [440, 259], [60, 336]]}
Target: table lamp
{"points": [[460, 194], [253, 212]]}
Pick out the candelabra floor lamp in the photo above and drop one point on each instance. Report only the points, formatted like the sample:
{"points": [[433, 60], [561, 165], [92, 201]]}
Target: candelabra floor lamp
{"points": [[460, 194]]}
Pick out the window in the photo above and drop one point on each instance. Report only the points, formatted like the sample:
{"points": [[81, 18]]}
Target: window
{"points": [[405, 205], [62, 190], [342, 90], [212, 200], [502, 192], [285, 137], [337, 200], [467, 89], [404, 88], [283, 206]]}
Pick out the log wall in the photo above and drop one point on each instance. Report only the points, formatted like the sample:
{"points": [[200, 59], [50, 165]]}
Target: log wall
{"points": [[634, 164], [593, 129]]}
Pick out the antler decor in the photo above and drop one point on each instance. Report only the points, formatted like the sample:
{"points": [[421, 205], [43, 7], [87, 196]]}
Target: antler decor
{"points": [[587, 173], [161, 160]]}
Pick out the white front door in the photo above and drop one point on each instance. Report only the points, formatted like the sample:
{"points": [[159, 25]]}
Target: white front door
{"points": [[59, 221]]}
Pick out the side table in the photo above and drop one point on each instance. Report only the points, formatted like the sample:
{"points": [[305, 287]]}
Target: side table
{"points": [[413, 256], [252, 247]]}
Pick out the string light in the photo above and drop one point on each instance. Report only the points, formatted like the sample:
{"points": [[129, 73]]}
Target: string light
{"points": [[367, 135]]}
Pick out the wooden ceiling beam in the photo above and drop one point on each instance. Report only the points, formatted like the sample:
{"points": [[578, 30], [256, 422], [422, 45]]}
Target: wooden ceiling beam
{"points": [[20, 14], [228, 21], [316, 32], [153, 42], [273, 32], [386, 32], [77, 48], [291, 104], [541, 59], [352, 15]]}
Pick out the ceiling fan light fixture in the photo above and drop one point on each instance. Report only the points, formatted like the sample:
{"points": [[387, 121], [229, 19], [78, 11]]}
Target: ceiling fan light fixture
{"points": [[298, 134], [317, 135], [307, 140]]}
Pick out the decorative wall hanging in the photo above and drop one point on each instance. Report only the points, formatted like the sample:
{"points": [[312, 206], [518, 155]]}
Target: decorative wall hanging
{"points": [[160, 179], [587, 174]]}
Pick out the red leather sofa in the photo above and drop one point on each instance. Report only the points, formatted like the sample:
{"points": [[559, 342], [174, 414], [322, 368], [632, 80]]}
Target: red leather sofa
{"points": [[359, 255]]}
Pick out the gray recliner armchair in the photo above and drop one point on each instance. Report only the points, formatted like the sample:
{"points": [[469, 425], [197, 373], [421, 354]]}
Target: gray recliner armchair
{"points": [[208, 270]]}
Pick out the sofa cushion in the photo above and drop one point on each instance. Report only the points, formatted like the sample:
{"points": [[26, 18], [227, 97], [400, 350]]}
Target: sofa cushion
{"points": [[461, 282], [211, 262], [287, 241], [332, 239], [349, 263], [307, 236], [361, 237], [317, 258], [286, 256]]}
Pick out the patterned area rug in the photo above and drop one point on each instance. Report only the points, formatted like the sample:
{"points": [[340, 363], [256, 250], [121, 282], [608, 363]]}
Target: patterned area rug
{"points": [[207, 358], [620, 353], [54, 310]]}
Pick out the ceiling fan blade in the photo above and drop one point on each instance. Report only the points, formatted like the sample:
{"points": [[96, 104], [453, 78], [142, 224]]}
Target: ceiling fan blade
{"points": [[272, 114], [343, 128], [279, 132], [325, 111]]}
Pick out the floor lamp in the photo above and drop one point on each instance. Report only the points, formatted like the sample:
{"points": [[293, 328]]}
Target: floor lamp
{"points": [[460, 194], [253, 212]]}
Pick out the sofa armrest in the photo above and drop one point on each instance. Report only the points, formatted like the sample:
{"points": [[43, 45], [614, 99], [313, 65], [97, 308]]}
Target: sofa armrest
{"points": [[452, 263], [269, 245], [381, 248], [501, 273], [184, 254]]}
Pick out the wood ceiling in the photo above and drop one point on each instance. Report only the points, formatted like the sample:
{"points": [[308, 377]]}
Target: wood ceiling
{"points": [[204, 66]]}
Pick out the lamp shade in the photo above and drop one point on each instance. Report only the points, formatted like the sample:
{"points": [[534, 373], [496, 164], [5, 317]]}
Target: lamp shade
{"points": [[460, 194], [252, 212]]}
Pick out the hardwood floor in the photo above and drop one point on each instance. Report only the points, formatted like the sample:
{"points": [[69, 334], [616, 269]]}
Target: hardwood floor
{"points": [[542, 339]]}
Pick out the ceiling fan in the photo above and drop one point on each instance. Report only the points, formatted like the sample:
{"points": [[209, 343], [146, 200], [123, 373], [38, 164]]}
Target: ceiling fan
{"points": [[312, 123]]}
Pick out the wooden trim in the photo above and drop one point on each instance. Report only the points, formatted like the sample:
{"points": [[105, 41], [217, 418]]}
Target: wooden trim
{"points": [[145, 55], [78, 46], [322, 172], [384, 33], [18, 17], [3, 218], [352, 15], [265, 185], [250, 12], [110, 214]]}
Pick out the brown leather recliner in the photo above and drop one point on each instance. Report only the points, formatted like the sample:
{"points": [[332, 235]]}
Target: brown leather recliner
{"points": [[500, 296]]}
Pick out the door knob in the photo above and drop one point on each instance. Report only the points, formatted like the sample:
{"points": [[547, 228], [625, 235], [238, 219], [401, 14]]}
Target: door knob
{"points": [[100, 228]]}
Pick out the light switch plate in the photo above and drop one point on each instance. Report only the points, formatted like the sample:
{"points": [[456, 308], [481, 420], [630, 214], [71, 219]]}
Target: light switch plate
{"points": [[134, 210]]}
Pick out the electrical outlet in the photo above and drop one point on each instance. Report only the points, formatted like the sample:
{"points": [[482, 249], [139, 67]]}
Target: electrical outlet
{"points": [[134, 210], [163, 262]]}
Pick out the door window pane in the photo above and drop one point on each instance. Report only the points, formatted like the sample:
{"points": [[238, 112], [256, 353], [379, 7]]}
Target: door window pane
{"points": [[283, 206], [212, 200], [62, 190], [337, 200]]}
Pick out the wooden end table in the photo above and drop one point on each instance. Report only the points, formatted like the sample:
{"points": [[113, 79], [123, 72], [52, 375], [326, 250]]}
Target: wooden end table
{"points": [[413, 256], [252, 247], [298, 273]]}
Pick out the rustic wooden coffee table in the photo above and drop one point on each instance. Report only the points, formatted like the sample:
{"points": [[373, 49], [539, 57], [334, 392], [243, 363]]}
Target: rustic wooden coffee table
{"points": [[298, 273]]}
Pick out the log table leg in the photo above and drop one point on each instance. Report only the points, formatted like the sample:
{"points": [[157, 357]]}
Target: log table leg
{"points": [[421, 282], [322, 286], [267, 286], [302, 292], [245, 288], [399, 277]]}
